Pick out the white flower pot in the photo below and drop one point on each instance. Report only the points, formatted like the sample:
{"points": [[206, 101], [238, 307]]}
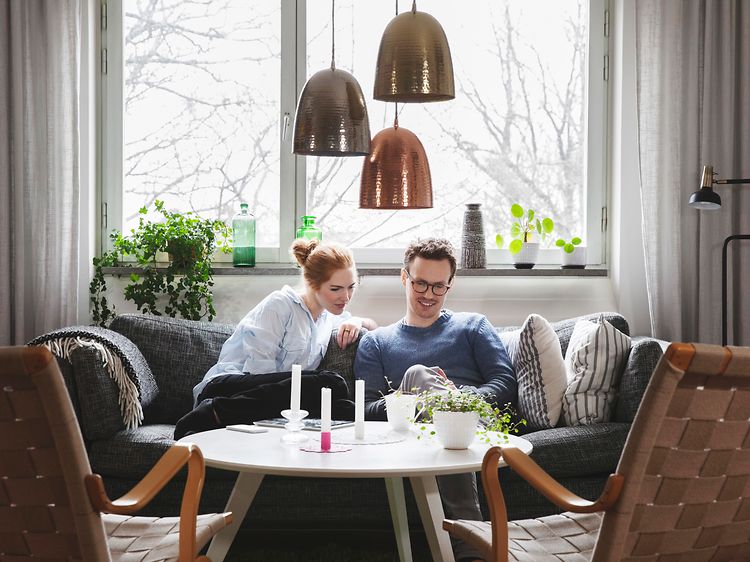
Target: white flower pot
{"points": [[400, 410], [574, 260], [526, 258], [455, 430]]}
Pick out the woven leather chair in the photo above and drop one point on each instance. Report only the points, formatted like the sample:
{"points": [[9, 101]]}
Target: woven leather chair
{"points": [[682, 488], [50, 502]]}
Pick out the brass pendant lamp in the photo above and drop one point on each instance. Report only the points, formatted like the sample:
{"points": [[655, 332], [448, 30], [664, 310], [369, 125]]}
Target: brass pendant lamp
{"points": [[331, 117], [396, 174], [414, 60]]}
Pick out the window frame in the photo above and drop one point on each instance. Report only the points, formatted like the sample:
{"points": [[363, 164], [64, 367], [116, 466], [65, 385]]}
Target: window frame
{"points": [[292, 196]]}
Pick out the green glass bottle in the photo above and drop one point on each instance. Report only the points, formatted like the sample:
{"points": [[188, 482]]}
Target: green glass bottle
{"points": [[243, 238], [308, 229]]}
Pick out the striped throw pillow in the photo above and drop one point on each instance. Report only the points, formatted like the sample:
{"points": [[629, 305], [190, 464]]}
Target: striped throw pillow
{"points": [[593, 362], [534, 350]]}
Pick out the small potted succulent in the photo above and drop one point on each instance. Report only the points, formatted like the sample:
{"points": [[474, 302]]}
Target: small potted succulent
{"points": [[573, 254], [526, 224], [456, 417]]}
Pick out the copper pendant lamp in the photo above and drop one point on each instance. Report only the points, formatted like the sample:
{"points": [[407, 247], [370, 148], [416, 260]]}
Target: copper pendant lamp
{"points": [[414, 61], [331, 117], [396, 174]]}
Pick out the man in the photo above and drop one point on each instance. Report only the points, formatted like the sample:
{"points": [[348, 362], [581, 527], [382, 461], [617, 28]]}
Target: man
{"points": [[463, 349]]}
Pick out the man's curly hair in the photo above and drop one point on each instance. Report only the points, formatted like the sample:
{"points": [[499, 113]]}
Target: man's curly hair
{"points": [[431, 249]]}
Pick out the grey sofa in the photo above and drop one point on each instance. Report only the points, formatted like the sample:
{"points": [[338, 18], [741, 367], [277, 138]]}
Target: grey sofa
{"points": [[179, 352]]}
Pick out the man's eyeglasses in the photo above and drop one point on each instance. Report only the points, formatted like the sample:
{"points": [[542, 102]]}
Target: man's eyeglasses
{"points": [[438, 289]]}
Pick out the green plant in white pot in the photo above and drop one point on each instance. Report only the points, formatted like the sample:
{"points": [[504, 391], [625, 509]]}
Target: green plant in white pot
{"points": [[573, 254], [526, 224], [459, 416]]}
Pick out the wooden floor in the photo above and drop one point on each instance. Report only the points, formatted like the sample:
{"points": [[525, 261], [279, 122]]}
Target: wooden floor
{"points": [[314, 546]]}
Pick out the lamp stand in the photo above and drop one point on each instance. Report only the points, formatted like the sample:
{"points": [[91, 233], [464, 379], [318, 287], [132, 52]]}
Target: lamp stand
{"points": [[727, 240]]}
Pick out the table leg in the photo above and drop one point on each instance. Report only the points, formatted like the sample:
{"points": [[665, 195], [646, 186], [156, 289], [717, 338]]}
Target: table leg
{"points": [[431, 511], [397, 503], [242, 495]]}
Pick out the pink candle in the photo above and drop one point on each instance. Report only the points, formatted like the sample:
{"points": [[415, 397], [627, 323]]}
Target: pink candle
{"points": [[325, 419]]}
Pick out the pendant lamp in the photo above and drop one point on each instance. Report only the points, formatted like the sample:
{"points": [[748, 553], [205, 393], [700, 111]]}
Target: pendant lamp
{"points": [[396, 174], [331, 117], [414, 61]]}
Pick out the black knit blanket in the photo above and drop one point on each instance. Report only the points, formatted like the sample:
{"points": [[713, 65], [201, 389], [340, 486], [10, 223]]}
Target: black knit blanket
{"points": [[121, 360]]}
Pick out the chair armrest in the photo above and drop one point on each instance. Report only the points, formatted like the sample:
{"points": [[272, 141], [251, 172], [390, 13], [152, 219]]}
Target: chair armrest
{"points": [[554, 491], [142, 493]]}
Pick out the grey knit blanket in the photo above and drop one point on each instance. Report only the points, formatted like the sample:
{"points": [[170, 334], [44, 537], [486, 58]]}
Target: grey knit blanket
{"points": [[121, 360]]}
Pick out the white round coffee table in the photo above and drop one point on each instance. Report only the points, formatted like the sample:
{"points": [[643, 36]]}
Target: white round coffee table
{"points": [[254, 455]]}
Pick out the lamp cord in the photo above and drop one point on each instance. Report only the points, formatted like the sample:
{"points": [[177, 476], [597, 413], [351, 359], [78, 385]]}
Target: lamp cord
{"points": [[395, 116], [333, 34]]}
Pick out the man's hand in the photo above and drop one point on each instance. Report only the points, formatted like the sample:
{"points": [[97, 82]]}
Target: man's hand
{"points": [[444, 378]]}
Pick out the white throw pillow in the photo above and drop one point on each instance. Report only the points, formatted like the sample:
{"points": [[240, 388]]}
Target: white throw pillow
{"points": [[594, 361], [534, 350]]}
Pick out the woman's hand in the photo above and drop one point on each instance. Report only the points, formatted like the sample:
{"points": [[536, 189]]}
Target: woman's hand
{"points": [[348, 332]]}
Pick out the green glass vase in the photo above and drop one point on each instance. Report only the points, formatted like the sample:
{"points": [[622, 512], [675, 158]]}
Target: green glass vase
{"points": [[243, 238], [308, 230]]}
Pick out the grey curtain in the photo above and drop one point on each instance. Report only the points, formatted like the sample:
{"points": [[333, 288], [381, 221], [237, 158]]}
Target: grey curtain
{"points": [[39, 166], [693, 75]]}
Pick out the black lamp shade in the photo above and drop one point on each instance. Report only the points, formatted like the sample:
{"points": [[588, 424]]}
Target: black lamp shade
{"points": [[331, 117], [705, 199]]}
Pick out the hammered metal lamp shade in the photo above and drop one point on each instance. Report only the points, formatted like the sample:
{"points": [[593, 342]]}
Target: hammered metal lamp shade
{"points": [[414, 61], [331, 118], [396, 174]]}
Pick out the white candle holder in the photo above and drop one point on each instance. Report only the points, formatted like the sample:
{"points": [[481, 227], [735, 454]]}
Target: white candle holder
{"points": [[294, 426]]}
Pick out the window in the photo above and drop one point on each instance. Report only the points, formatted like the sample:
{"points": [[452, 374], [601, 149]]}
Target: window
{"points": [[202, 96]]}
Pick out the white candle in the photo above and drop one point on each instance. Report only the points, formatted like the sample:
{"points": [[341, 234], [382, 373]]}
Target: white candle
{"points": [[325, 409], [296, 386], [359, 409]]}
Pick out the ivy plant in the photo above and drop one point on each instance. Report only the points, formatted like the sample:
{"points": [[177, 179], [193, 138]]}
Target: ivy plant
{"points": [[492, 418], [182, 287], [525, 224]]}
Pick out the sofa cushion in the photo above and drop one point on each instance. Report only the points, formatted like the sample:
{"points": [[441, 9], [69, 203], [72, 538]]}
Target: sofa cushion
{"points": [[341, 361], [577, 451], [534, 350], [131, 453], [179, 352], [594, 362], [645, 353]]}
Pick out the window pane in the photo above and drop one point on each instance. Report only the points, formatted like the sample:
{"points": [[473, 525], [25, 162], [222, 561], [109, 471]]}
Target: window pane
{"points": [[514, 134], [201, 106]]}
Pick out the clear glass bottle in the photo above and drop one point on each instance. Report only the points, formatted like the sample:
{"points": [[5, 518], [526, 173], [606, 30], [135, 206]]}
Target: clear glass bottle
{"points": [[243, 238], [308, 229]]}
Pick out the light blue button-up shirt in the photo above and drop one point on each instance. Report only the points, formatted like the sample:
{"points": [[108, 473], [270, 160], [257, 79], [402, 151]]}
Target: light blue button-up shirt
{"points": [[278, 333]]}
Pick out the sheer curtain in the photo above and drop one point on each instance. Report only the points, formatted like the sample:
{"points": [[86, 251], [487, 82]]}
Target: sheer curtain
{"points": [[39, 166], [693, 74]]}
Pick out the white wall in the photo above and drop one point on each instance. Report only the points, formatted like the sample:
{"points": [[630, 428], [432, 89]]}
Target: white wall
{"points": [[505, 300]]}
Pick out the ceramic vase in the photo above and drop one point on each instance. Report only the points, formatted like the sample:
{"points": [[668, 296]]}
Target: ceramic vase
{"points": [[455, 430], [526, 258], [574, 260], [473, 255]]}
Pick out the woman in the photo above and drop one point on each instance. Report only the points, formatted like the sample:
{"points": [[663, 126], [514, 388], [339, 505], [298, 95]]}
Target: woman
{"points": [[287, 327]]}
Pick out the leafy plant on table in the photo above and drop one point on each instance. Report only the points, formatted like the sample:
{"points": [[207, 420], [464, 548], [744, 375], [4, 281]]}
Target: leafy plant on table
{"points": [[525, 224], [186, 281], [568, 246], [492, 418]]}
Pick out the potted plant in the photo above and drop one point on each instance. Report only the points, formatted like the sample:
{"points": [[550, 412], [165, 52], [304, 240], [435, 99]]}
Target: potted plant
{"points": [[526, 223], [456, 417], [185, 282], [573, 254]]}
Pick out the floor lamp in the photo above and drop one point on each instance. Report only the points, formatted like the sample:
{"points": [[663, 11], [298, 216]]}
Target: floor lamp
{"points": [[706, 199]]}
